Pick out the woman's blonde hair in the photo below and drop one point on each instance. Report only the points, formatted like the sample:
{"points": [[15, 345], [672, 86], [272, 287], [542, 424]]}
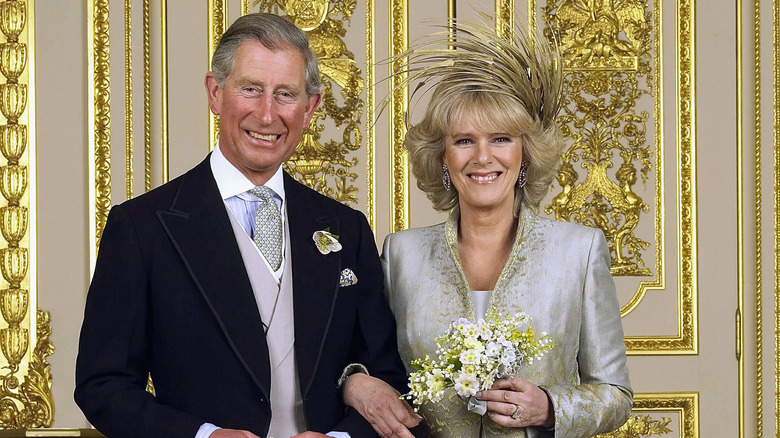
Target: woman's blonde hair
{"points": [[450, 102], [506, 83]]}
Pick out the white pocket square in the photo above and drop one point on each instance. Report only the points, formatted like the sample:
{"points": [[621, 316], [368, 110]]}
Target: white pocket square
{"points": [[348, 278]]}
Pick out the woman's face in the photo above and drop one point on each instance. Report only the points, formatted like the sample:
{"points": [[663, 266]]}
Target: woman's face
{"points": [[483, 165]]}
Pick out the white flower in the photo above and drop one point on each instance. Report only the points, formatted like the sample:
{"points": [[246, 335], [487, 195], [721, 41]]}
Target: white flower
{"points": [[473, 344], [493, 349], [469, 357], [466, 385], [483, 330], [326, 242]]}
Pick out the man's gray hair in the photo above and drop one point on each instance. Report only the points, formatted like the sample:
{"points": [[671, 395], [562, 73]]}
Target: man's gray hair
{"points": [[274, 33]]}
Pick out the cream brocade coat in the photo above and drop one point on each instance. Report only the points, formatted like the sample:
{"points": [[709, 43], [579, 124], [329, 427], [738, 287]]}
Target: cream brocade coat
{"points": [[558, 273]]}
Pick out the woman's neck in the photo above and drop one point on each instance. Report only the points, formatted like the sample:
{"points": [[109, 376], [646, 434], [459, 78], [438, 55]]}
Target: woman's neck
{"points": [[485, 241], [490, 229]]}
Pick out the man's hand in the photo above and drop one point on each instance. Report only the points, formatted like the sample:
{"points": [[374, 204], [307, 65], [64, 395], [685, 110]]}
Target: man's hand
{"points": [[310, 434], [230, 433], [380, 405]]}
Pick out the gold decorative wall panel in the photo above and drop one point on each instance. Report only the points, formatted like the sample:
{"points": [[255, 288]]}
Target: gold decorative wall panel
{"points": [[606, 51], [25, 381], [322, 159], [612, 123], [645, 421]]}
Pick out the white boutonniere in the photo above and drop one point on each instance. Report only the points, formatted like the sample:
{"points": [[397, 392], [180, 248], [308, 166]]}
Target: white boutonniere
{"points": [[326, 242]]}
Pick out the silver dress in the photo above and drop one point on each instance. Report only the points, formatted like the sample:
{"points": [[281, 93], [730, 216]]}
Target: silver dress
{"points": [[558, 273]]}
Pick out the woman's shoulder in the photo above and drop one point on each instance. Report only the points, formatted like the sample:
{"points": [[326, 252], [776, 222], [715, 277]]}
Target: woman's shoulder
{"points": [[414, 240], [563, 231], [417, 234]]}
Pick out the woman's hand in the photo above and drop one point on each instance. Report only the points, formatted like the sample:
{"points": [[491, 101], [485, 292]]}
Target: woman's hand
{"points": [[514, 402], [380, 405]]}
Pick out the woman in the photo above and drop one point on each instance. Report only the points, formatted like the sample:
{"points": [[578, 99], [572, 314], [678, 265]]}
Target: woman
{"points": [[486, 149]]}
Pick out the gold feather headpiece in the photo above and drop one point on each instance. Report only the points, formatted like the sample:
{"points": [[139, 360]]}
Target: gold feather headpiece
{"points": [[523, 66]]}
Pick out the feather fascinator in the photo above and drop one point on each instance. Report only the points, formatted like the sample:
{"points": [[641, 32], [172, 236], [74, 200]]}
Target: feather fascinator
{"points": [[522, 66]]}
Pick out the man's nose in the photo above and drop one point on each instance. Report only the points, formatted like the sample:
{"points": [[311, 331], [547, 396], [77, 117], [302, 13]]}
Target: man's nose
{"points": [[265, 111]]}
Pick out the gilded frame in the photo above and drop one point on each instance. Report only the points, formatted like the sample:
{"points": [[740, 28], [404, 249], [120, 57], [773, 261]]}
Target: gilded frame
{"points": [[25, 382], [685, 342], [684, 405]]}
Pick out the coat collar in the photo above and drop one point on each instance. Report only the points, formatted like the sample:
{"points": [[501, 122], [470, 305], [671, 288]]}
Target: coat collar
{"points": [[199, 228]]}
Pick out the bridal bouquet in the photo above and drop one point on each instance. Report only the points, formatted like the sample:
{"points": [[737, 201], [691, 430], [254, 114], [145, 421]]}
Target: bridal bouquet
{"points": [[472, 355]]}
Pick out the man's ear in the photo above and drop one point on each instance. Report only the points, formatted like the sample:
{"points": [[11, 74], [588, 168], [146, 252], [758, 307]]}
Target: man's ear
{"points": [[311, 105], [214, 93]]}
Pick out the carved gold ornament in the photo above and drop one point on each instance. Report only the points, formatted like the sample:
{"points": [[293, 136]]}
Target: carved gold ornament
{"points": [[641, 426], [25, 382], [605, 46], [648, 407], [326, 166]]}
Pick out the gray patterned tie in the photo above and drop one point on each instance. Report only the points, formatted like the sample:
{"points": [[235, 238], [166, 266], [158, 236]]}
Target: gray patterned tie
{"points": [[268, 226]]}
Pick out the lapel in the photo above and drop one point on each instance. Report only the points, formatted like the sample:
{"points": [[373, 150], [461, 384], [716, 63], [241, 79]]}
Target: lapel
{"points": [[315, 278], [198, 226]]}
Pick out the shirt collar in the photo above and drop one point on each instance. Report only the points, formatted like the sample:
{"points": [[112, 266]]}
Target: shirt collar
{"points": [[231, 182]]}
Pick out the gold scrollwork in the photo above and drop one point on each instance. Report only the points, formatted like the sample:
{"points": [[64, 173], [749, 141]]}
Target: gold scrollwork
{"points": [[605, 47], [642, 424], [399, 98], [217, 23], [26, 404], [102, 119], [327, 167]]}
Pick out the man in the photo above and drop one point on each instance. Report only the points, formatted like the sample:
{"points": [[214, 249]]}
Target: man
{"points": [[214, 285]]}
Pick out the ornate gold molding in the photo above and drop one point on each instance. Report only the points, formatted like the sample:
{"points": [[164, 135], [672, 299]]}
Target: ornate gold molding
{"points": [[25, 389], [776, 188], [758, 213], [686, 340], [741, 239], [164, 89], [643, 423], [504, 15], [217, 19], [370, 122], [399, 97], [128, 21], [147, 97], [100, 115]]}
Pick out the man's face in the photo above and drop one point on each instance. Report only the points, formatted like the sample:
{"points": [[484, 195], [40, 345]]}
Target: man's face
{"points": [[263, 109]]}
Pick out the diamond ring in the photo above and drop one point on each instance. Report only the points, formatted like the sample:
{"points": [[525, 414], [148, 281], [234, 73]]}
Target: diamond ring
{"points": [[516, 415]]}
